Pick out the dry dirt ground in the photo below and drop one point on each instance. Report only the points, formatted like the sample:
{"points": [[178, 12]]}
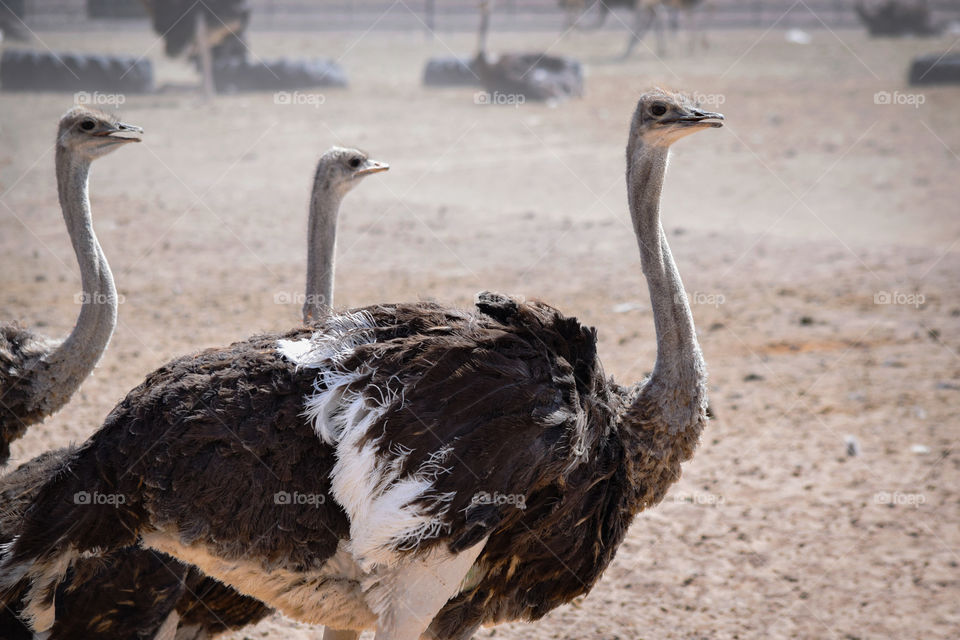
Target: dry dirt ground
{"points": [[788, 225]]}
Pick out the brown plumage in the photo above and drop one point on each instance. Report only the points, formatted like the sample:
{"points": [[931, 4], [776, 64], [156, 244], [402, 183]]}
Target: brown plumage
{"points": [[406, 424], [18, 406], [127, 592]]}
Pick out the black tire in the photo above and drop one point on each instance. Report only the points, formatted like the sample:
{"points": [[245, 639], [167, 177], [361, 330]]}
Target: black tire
{"points": [[450, 72], [237, 75], [46, 71], [935, 68]]}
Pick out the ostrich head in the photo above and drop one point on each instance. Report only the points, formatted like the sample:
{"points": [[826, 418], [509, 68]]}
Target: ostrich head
{"points": [[93, 133], [662, 118], [342, 169]]}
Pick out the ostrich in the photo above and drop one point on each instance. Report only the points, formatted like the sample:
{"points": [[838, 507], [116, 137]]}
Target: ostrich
{"points": [[37, 374], [535, 76], [166, 593], [646, 14], [411, 468]]}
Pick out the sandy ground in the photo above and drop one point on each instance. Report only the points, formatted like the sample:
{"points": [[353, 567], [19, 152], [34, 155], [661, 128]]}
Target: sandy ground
{"points": [[788, 225]]}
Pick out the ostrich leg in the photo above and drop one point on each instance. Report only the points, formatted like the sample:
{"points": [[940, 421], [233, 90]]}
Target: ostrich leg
{"points": [[206, 58], [643, 18], [660, 27]]}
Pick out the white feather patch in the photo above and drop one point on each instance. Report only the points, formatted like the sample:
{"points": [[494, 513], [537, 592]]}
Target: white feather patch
{"points": [[332, 343], [384, 508]]}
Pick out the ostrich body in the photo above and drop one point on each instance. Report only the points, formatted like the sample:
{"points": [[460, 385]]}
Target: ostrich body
{"points": [[39, 375], [377, 444], [534, 76], [157, 592]]}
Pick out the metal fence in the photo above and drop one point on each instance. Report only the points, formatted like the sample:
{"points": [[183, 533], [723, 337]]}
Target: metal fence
{"points": [[461, 15]]}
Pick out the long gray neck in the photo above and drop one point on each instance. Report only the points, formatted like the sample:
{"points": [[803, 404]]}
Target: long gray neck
{"points": [[679, 376], [321, 250], [76, 357]]}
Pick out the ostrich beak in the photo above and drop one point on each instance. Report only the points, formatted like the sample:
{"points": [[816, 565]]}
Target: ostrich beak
{"points": [[699, 118], [372, 166], [123, 132]]}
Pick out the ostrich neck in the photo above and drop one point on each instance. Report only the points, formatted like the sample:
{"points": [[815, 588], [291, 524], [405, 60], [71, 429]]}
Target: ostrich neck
{"points": [[75, 358], [676, 391], [321, 250]]}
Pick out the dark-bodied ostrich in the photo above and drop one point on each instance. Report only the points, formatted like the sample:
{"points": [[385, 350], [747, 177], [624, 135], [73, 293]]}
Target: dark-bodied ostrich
{"points": [[400, 466], [136, 592], [38, 375], [534, 76]]}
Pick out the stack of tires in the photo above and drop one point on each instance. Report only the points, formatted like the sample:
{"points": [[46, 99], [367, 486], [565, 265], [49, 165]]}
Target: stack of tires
{"points": [[22, 70], [237, 74], [450, 72]]}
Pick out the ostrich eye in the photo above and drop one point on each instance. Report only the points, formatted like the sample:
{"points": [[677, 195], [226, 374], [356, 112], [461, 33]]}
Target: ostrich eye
{"points": [[658, 109], [354, 163], [88, 125]]}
